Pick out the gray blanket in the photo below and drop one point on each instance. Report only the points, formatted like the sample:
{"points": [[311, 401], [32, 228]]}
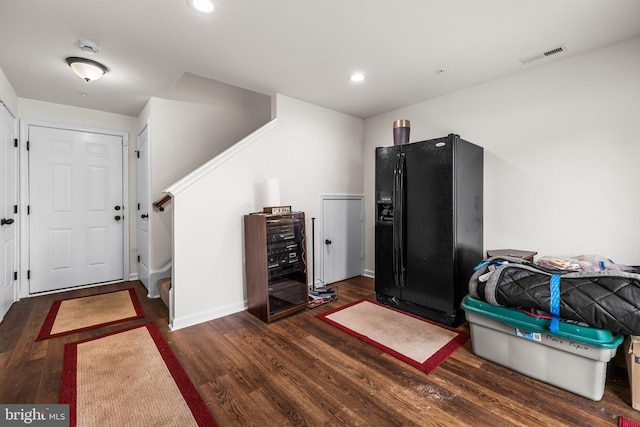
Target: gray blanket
{"points": [[601, 299]]}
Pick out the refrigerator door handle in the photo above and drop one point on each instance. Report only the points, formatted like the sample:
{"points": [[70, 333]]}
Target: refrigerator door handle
{"points": [[401, 231], [396, 174]]}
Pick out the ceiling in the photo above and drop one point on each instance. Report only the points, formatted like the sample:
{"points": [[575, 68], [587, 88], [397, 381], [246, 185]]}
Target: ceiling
{"points": [[304, 49]]}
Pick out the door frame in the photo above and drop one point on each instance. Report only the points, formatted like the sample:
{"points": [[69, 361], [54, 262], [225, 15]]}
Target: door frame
{"points": [[146, 183], [320, 240], [24, 200], [14, 197]]}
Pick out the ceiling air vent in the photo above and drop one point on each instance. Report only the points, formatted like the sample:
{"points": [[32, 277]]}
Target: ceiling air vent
{"points": [[529, 59]]}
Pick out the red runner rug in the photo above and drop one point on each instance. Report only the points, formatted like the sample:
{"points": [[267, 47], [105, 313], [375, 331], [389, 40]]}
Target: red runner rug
{"points": [[412, 339], [129, 377], [71, 315], [626, 422]]}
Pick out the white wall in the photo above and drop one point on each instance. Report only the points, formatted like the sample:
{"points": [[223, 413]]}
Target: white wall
{"points": [[7, 95], [183, 136], [311, 150], [561, 159]]}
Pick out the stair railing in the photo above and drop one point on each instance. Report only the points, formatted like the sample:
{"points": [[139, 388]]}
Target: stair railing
{"points": [[161, 202]]}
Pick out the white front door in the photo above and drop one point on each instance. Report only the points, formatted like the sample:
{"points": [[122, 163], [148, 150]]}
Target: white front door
{"points": [[8, 215], [341, 238], [76, 212], [143, 207]]}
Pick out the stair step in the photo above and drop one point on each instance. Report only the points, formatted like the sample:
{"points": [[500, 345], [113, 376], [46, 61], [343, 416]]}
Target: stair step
{"points": [[164, 285]]}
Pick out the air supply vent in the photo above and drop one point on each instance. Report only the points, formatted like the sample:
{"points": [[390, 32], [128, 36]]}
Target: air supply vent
{"points": [[553, 51]]}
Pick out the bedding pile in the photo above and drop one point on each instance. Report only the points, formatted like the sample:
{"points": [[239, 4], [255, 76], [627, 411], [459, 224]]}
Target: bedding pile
{"points": [[589, 290]]}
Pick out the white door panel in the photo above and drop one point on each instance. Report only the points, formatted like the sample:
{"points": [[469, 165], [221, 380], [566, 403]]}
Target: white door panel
{"points": [[342, 238], [76, 213], [8, 201]]}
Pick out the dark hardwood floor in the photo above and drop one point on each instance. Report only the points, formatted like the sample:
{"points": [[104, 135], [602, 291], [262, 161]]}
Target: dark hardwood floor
{"points": [[301, 371]]}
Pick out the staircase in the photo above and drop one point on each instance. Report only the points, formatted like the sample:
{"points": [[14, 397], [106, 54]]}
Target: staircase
{"points": [[164, 285]]}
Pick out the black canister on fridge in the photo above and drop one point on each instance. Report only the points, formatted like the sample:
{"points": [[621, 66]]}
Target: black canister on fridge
{"points": [[401, 130]]}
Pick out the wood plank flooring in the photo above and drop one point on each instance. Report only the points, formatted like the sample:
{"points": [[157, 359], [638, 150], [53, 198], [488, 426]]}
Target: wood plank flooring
{"points": [[299, 371]]}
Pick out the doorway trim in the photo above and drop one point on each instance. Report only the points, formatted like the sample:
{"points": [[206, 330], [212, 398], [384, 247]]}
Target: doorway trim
{"points": [[23, 202], [320, 239], [143, 181], [12, 195]]}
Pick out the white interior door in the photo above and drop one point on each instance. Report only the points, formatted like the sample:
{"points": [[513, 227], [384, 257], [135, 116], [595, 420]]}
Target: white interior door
{"points": [[76, 211], [143, 207], [8, 215], [341, 238]]}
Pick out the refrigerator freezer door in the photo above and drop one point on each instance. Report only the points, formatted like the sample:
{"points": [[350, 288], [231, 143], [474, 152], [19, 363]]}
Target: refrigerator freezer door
{"points": [[384, 279], [386, 162], [385, 255]]}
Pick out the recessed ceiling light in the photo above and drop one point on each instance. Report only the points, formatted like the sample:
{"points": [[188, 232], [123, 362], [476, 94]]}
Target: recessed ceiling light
{"points": [[356, 77], [204, 6]]}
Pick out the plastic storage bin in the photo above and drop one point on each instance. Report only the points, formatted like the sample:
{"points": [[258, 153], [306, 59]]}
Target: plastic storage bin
{"points": [[574, 358]]}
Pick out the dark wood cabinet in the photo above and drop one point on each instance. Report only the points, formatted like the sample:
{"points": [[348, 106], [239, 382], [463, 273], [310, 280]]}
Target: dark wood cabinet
{"points": [[275, 264]]}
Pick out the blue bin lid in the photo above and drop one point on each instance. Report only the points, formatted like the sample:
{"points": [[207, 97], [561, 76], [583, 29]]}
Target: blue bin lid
{"points": [[518, 319]]}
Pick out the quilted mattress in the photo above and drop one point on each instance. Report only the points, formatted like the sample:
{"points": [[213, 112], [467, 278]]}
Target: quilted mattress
{"points": [[600, 299]]}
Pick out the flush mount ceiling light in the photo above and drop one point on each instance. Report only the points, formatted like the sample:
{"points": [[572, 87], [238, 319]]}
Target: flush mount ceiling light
{"points": [[86, 68], [204, 6]]}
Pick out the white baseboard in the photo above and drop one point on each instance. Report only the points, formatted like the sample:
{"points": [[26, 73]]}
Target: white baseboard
{"points": [[369, 273], [205, 316]]}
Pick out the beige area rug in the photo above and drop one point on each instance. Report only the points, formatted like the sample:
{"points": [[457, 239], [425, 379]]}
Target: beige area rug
{"points": [[84, 313], [412, 339], [129, 378]]}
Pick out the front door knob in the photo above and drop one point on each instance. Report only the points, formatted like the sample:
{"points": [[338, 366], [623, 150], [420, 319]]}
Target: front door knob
{"points": [[143, 216], [328, 242], [6, 221], [118, 218]]}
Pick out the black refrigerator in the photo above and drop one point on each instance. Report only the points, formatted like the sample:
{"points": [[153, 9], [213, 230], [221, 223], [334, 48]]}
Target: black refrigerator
{"points": [[428, 230]]}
